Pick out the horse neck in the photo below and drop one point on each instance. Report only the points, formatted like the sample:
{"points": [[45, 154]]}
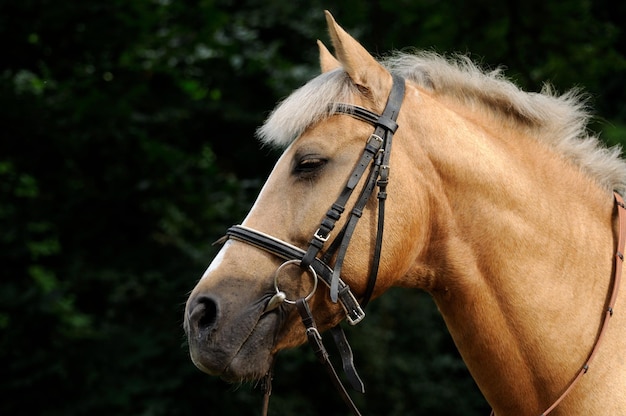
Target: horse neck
{"points": [[528, 244]]}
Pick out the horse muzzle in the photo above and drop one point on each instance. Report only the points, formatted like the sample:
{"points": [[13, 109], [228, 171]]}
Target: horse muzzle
{"points": [[235, 345]]}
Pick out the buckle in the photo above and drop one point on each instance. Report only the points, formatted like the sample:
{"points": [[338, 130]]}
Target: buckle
{"points": [[355, 316], [377, 138], [320, 237]]}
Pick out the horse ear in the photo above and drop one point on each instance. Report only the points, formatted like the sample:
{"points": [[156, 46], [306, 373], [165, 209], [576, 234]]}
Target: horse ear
{"points": [[327, 60], [362, 68]]}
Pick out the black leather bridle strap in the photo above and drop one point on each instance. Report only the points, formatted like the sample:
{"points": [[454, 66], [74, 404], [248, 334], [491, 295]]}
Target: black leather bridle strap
{"points": [[391, 113], [378, 151], [346, 235], [357, 112], [267, 389], [372, 147], [286, 251], [386, 126], [347, 358], [315, 341]]}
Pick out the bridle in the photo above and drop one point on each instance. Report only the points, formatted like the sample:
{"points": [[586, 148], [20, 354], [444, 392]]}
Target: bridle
{"points": [[376, 156]]}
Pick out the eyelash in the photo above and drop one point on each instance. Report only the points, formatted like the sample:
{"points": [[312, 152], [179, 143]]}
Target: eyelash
{"points": [[310, 165]]}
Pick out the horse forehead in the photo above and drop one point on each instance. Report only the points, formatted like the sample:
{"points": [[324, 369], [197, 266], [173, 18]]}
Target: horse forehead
{"points": [[332, 134]]}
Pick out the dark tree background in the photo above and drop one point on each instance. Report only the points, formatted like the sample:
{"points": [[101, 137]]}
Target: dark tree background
{"points": [[127, 148]]}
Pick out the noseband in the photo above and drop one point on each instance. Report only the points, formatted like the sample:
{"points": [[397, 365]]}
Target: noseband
{"points": [[376, 155]]}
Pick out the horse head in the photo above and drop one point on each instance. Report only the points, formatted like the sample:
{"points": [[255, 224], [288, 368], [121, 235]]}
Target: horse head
{"points": [[231, 330]]}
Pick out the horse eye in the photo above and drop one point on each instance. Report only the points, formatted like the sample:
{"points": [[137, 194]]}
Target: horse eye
{"points": [[310, 165]]}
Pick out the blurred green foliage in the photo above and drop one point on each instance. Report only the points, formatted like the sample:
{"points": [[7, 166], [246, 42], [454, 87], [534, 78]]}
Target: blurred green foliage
{"points": [[127, 148]]}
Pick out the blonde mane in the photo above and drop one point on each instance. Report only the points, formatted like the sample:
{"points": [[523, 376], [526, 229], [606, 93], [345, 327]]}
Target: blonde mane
{"points": [[557, 120]]}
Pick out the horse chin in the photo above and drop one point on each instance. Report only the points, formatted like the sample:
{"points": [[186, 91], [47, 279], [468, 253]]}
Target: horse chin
{"points": [[249, 358]]}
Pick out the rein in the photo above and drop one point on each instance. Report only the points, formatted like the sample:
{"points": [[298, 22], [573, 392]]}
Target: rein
{"points": [[376, 156], [617, 276]]}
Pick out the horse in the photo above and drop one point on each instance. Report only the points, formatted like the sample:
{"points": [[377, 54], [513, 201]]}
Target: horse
{"points": [[499, 203]]}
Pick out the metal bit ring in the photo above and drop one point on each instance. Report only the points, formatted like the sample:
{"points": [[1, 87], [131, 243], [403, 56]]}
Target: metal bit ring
{"points": [[297, 263]]}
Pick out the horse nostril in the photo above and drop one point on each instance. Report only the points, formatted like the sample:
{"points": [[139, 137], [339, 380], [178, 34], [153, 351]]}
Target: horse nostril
{"points": [[203, 313]]}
